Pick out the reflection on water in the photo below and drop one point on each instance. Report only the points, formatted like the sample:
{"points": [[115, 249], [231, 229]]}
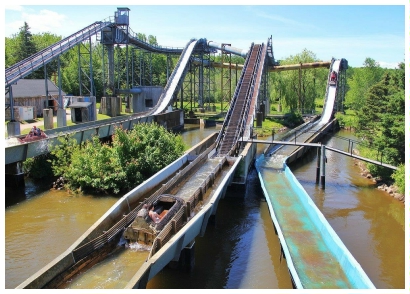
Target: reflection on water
{"points": [[241, 251], [31, 189], [369, 222], [193, 134], [40, 228]]}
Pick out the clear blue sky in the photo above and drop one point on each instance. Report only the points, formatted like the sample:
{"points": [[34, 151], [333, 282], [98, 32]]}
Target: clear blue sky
{"points": [[354, 32]]}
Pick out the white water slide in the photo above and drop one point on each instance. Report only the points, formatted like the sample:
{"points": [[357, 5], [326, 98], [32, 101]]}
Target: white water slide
{"points": [[166, 96], [331, 97]]}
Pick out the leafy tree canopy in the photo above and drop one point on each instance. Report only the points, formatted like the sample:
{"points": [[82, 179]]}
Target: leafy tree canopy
{"points": [[132, 157]]}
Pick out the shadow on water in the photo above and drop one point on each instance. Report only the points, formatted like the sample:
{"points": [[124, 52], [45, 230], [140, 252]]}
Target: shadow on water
{"points": [[32, 188]]}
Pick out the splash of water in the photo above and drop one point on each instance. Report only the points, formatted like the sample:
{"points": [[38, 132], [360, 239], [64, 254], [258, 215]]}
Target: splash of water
{"points": [[139, 247], [275, 161], [12, 141], [42, 146]]}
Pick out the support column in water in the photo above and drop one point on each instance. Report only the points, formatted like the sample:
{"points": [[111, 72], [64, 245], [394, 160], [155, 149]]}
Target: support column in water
{"points": [[322, 166], [14, 175], [318, 166]]}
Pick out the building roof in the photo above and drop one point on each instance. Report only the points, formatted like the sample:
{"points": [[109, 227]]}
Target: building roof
{"points": [[25, 88]]}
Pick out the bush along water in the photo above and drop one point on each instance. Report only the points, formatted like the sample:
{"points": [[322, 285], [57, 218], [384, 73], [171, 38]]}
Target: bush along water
{"points": [[130, 158]]}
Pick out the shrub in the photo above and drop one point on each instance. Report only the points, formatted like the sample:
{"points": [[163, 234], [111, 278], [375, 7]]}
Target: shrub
{"points": [[38, 167], [132, 157], [293, 119], [399, 178]]}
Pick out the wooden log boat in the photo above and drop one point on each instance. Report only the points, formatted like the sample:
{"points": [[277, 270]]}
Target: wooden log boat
{"points": [[28, 138], [143, 229]]}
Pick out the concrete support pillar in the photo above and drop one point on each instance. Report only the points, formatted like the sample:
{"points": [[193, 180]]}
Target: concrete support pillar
{"points": [[13, 128], [322, 166], [119, 106], [14, 175], [259, 119], [114, 106], [186, 259], [189, 252], [318, 166], [61, 118], [48, 118], [212, 219]]}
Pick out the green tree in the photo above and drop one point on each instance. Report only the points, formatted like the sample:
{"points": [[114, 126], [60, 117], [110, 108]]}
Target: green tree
{"points": [[392, 139], [360, 81], [25, 43], [11, 49], [61, 154], [69, 73], [26, 47], [94, 168], [41, 42], [132, 157], [399, 177], [152, 40], [38, 167], [370, 114], [298, 89], [381, 120]]}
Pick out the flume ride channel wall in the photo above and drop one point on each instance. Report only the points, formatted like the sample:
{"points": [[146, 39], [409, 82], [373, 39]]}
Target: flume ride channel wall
{"points": [[353, 272], [352, 269]]}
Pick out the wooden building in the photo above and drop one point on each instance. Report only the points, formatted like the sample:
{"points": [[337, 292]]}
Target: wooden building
{"points": [[32, 93]]}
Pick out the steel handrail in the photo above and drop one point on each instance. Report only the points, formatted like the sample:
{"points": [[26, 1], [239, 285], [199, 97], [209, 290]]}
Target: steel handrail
{"points": [[253, 80], [41, 58], [153, 48], [244, 111], [233, 102]]}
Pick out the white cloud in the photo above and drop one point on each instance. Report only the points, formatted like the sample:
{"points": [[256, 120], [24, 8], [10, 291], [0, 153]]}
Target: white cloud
{"points": [[13, 7], [355, 49], [45, 21], [13, 27], [388, 64]]}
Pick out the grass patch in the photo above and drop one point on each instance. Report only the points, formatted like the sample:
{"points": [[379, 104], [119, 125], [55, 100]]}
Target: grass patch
{"points": [[268, 125], [348, 119]]}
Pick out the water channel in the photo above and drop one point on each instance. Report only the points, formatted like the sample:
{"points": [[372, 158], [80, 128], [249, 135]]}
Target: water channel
{"points": [[240, 250]]}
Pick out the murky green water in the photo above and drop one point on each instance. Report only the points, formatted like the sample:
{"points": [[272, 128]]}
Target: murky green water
{"points": [[240, 251]]}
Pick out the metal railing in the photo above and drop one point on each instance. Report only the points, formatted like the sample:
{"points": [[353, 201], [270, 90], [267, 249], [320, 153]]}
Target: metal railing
{"points": [[221, 134], [41, 58]]}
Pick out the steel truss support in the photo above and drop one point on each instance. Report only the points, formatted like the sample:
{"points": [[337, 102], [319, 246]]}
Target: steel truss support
{"points": [[263, 97], [141, 67], [170, 65], [199, 81], [141, 63], [187, 90], [146, 68], [226, 77], [199, 84], [108, 70], [341, 86], [85, 68], [209, 81]]}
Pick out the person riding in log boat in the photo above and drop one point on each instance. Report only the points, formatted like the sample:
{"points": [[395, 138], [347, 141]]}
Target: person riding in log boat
{"points": [[156, 218]]}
